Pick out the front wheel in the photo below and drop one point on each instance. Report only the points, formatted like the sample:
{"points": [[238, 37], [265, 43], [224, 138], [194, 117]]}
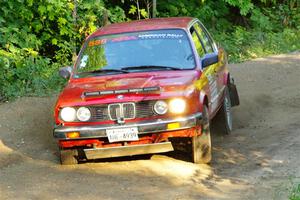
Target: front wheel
{"points": [[201, 145], [224, 122]]}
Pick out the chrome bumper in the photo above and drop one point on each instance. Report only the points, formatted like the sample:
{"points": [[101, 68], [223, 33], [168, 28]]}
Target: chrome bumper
{"points": [[153, 126], [128, 150]]}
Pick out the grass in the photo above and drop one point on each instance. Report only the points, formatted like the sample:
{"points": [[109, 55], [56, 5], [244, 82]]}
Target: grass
{"points": [[242, 45], [295, 194]]}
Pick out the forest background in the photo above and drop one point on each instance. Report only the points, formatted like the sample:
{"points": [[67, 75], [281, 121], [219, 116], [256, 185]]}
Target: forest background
{"points": [[37, 37]]}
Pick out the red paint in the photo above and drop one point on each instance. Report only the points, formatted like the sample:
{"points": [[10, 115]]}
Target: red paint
{"points": [[73, 143], [149, 24], [172, 83], [153, 138]]}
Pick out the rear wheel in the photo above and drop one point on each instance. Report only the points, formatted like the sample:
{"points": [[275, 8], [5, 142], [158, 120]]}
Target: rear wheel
{"points": [[201, 145], [68, 157]]}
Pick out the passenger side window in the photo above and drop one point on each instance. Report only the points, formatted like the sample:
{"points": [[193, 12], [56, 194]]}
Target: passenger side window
{"points": [[207, 43], [197, 42]]}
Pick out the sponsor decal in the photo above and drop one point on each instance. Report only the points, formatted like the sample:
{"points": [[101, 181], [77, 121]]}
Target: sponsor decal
{"points": [[97, 42], [161, 36], [117, 39]]}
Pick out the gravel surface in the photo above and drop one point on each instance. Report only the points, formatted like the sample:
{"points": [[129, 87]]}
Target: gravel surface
{"points": [[259, 160]]}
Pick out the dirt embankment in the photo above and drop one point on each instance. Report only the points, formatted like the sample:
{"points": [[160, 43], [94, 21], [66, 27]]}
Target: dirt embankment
{"points": [[260, 160]]}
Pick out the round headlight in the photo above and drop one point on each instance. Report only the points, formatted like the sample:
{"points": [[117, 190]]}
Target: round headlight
{"points": [[177, 106], [68, 114], [83, 114], [161, 107]]}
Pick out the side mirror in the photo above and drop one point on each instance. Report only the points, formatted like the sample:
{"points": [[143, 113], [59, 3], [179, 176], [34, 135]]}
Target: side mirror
{"points": [[209, 59], [65, 72]]}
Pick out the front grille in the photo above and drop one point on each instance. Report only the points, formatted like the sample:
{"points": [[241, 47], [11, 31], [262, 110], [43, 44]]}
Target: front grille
{"points": [[129, 110], [121, 111], [114, 111], [100, 113], [145, 109], [107, 112]]}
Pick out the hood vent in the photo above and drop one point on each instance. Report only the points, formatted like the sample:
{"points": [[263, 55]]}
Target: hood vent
{"points": [[124, 91]]}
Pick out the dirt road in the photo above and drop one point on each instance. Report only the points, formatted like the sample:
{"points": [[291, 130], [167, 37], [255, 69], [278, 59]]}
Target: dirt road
{"points": [[260, 160]]}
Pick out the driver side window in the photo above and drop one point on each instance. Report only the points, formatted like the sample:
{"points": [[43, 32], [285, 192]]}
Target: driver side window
{"points": [[197, 42], [207, 43]]}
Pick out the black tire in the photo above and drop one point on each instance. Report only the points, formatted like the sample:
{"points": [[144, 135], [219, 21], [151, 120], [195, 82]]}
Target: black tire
{"points": [[201, 145], [68, 157], [224, 121]]}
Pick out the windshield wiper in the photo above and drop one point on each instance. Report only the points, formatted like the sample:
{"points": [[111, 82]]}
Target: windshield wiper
{"points": [[108, 70], [151, 67]]}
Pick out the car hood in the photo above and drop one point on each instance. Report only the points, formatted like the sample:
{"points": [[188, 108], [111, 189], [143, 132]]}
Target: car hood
{"points": [[173, 83]]}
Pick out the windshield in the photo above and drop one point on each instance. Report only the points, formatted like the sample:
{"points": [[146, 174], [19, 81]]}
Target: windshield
{"points": [[138, 51]]}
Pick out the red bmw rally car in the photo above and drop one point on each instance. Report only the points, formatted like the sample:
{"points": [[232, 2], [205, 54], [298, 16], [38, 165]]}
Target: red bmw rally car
{"points": [[137, 85]]}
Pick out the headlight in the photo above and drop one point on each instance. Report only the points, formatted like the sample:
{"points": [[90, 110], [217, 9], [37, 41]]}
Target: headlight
{"points": [[83, 114], [68, 114], [177, 106], [161, 107]]}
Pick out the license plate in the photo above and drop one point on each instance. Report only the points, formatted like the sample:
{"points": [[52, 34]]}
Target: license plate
{"points": [[122, 134]]}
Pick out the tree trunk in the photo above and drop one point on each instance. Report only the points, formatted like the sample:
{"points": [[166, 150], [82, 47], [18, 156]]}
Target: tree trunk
{"points": [[154, 9]]}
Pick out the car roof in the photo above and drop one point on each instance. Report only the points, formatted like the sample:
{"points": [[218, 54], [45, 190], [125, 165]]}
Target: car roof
{"points": [[145, 25]]}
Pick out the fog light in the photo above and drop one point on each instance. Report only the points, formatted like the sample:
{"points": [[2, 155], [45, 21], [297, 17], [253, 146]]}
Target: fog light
{"points": [[73, 135], [175, 125]]}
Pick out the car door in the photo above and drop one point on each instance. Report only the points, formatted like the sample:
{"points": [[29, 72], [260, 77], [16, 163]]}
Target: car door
{"points": [[212, 47], [205, 47]]}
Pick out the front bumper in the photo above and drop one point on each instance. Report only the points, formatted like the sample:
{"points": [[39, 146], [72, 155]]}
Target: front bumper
{"points": [[96, 153], [153, 126]]}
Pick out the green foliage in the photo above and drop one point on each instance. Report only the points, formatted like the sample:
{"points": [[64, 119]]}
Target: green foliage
{"points": [[260, 21], [242, 44], [244, 5], [116, 14], [25, 73], [246, 29], [138, 11], [38, 37], [295, 195]]}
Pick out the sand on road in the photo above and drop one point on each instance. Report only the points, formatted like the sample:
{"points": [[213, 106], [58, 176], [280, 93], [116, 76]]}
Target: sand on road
{"points": [[259, 160]]}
